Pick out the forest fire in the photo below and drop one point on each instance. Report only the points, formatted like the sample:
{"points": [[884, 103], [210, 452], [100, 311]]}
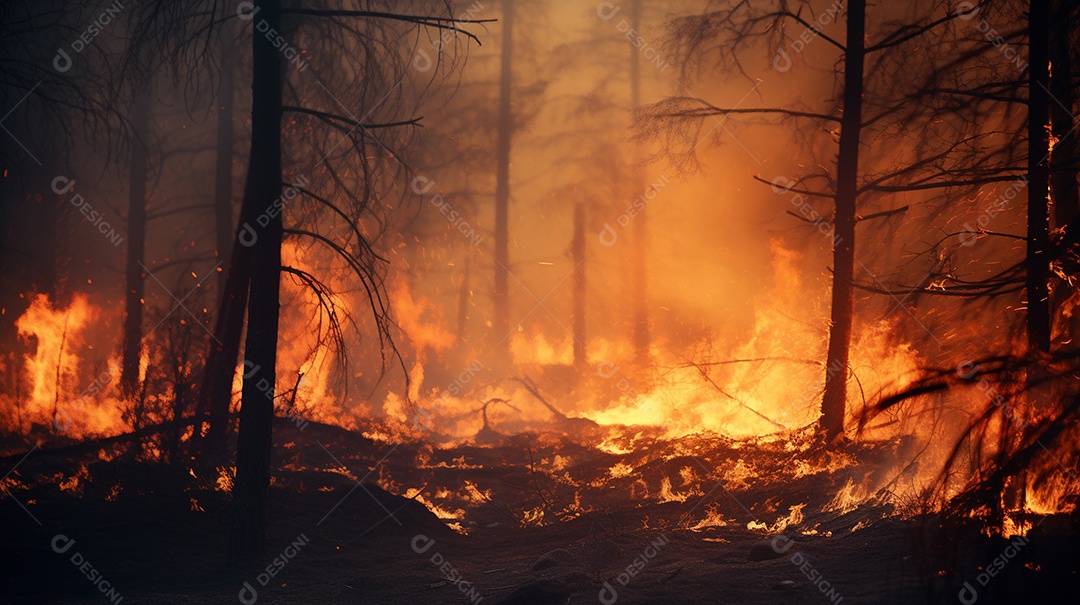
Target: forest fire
{"points": [[62, 357], [544, 302]]}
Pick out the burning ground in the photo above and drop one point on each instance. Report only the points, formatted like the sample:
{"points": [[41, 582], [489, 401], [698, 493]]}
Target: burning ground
{"points": [[685, 301], [554, 485], [625, 514]]}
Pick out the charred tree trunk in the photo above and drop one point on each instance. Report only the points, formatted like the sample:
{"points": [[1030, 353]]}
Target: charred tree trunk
{"points": [[255, 439], [215, 391], [577, 252], [502, 186], [1038, 261], [135, 280], [1063, 183], [223, 173], [640, 251], [1064, 190], [833, 403], [463, 301], [181, 388]]}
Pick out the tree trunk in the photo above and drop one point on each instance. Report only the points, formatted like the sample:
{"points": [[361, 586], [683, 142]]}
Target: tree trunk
{"points": [[577, 252], [463, 301], [1066, 194], [223, 173], [639, 292], [1038, 265], [135, 280], [215, 391], [255, 439], [833, 403], [501, 324]]}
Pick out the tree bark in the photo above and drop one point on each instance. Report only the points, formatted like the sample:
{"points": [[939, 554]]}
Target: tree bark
{"points": [[1066, 194], [135, 280], [463, 301], [577, 252], [640, 251], [215, 391], [255, 439], [501, 297], [223, 172], [834, 402], [1038, 236]]}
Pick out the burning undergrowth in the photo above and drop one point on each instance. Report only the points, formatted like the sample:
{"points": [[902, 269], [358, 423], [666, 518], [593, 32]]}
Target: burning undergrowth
{"points": [[703, 484], [715, 432]]}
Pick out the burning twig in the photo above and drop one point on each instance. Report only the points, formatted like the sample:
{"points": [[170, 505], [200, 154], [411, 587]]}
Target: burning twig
{"points": [[293, 392], [706, 364], [531, 387], [484, 408], [539, 491], [59, 365], [568, 424], [881, 214], [96, 444], [705, 374], [486, 434], [496, 507]]}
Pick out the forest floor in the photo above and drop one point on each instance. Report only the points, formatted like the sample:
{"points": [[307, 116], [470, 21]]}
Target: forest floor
{"points": [[531, 519]]}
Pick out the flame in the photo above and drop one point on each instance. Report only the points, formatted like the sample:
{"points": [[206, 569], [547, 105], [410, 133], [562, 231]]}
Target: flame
{"points": [[778, 383], [419, 319], [758, 383], [849, 498], [537, 349], [70, 391], [794, 517], [713, 518], [620, 470]]}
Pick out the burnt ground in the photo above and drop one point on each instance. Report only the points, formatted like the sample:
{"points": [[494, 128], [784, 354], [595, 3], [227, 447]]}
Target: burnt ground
{"points": [[536, 519]]}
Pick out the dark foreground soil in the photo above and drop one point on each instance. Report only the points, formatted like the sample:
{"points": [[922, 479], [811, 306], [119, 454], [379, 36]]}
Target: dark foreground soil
{"points": [[338, 537]]}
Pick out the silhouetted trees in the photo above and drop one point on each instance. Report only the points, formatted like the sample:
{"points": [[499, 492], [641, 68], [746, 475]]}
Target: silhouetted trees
{"points": [[951, 155]]}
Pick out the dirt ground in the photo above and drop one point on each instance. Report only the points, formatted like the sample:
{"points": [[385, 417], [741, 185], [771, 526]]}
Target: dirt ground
{"points": [[528, 528]]}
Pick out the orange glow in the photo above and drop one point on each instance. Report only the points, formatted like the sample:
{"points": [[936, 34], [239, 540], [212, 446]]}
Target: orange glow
{"points": [[68, 392]]}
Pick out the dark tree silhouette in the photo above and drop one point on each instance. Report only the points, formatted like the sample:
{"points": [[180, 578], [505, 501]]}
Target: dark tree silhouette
{"points": [[578, 257], [956, 163], [255, 437], [224, 227], [501, 294], [1066, 194], [135, 279], [833, 403], [639, 271], [1038, 236]]}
